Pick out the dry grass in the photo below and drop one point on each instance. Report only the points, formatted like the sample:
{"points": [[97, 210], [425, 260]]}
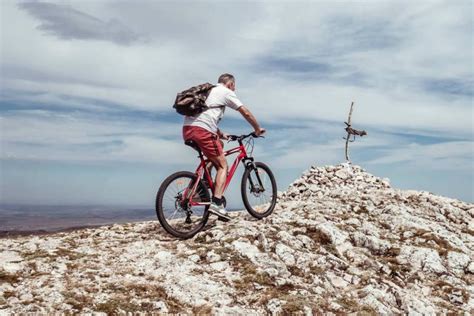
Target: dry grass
{"points": [[367, 311], [392, 252], [120, 299], [71, 255], [119, 306], [72, 242], [346, 215], [116, 305], [202, 253], [351, 305], [249, 276], [228, 255], [202, 310], [37, 254], [249, 273], [361, 210], [295, 305], [8, 294], [262, 298], [348, 304], [245, 284], [443, 246], [468, 231], [72, 265], [8, 277], [389, 258], [33, 269], [315, 270], [78, 302], [294, 270], [317, 236], [153, 292], [430, 240], [442, 289], [200, 239]]}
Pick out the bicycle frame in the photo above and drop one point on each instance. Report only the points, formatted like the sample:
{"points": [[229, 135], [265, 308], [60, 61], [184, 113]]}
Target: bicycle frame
{"points": [[203, 171]]}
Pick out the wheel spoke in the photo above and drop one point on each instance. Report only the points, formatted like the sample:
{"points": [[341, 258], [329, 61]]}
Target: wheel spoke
{"points": [[261, 200], [174, 215]]}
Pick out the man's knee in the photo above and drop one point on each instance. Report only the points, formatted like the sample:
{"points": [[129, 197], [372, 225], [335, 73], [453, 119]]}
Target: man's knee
{"points": [[220, 162]]}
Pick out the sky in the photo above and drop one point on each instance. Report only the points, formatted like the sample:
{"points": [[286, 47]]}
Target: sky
{"points": [[87, 89]]}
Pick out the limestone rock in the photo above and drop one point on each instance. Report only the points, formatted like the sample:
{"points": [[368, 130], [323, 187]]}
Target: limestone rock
{"points": [[421, 258], [340, 241], [285, 254]]}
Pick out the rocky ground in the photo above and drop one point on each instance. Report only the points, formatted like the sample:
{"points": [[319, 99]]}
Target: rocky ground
{"points": [[340, 241]]}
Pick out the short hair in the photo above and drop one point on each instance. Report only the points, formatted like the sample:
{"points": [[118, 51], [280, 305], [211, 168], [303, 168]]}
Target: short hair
{"points": [[225, 78]]}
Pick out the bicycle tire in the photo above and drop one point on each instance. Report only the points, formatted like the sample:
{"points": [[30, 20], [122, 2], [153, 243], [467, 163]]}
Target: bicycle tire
{"points": [[161, 213], [246, 194]]}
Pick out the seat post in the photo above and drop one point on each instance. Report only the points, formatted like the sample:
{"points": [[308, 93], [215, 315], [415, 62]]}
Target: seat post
{"points": [[200, 155], [193, 145]]}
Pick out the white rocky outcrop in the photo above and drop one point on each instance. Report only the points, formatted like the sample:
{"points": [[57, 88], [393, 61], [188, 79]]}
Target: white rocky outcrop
{"points": [[340, 241]]}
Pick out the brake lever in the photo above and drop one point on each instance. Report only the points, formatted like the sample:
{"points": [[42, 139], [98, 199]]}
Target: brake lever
{"points": [[231, 138]]}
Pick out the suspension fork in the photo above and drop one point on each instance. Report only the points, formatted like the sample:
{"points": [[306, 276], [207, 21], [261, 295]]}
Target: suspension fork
{"points": [[250, 164]]}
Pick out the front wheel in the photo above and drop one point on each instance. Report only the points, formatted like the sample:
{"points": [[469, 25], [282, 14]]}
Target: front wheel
{"points": [[173, 208], [259, 190]]}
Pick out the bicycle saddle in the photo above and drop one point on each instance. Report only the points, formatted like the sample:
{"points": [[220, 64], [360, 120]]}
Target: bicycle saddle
{"points": [[192, 144]]}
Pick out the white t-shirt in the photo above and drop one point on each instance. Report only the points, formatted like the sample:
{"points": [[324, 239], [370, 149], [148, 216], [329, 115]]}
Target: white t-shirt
{"points": [[219, 97]]}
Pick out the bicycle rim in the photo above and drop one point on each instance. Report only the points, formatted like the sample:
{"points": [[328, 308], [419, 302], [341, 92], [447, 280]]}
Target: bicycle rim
{"points": [[176, 215], [259, 192]]}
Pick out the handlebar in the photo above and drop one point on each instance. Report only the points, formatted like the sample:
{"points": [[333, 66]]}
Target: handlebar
{"points": [[242, 137]]}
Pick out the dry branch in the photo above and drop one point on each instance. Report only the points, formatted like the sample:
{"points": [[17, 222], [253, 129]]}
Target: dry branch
{"points": [[351, 131]]}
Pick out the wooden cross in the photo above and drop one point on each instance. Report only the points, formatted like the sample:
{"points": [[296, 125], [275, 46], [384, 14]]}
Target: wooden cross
{"points": [[350, 131]]}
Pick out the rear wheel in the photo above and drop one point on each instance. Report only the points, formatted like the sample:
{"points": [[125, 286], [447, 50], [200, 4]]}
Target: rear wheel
{"points": [[259, 190], [173, 209]]}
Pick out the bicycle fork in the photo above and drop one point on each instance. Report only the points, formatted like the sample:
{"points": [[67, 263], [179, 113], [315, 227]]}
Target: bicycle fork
{"points": [[249, 164]]}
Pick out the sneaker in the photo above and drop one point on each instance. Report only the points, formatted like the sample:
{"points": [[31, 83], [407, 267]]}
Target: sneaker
{"points": [[220, 211]]}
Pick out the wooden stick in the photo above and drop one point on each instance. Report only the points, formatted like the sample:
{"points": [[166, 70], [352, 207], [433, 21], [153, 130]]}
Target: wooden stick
{"points": [[349, 135]]}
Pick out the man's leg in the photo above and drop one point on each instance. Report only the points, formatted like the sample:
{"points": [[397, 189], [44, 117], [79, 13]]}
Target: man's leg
{"points": [[210, 164], [217, 206], [209, 167], [221, 167]]}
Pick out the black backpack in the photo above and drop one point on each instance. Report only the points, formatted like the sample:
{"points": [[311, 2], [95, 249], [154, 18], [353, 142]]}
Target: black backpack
{"points": [[193, 100]]}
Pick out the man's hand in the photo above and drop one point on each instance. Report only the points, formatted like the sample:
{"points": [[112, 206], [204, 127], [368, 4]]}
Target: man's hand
{"points": [[260, 131], [222, 135]]}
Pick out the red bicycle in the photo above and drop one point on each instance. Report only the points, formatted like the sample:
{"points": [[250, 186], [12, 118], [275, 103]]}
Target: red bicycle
{"points": [[184, 197]]}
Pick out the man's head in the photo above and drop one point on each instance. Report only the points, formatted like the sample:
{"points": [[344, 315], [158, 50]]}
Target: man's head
{"points": [[227, 80]]}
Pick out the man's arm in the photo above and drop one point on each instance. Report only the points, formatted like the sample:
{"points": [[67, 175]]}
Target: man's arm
{"points": [[251, 119], [222, 135]]}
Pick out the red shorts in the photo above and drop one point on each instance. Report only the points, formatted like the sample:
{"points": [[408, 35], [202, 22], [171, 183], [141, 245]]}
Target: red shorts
{"points": [[210, 144]]}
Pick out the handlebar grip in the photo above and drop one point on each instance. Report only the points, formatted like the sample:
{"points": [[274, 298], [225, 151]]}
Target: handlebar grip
{"points": [[255, 135]]}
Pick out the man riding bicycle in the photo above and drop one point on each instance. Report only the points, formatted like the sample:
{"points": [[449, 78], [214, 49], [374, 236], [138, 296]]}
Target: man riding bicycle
{"points": [[203, 130]]}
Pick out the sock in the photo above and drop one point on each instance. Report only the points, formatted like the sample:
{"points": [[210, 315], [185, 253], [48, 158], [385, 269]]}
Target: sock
{"points": [[217, 200]]}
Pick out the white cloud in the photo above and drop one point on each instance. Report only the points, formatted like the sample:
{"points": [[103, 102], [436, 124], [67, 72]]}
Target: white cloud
{"points": [[376, 53], [67, 23], [455, 155], [73, 137]]}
